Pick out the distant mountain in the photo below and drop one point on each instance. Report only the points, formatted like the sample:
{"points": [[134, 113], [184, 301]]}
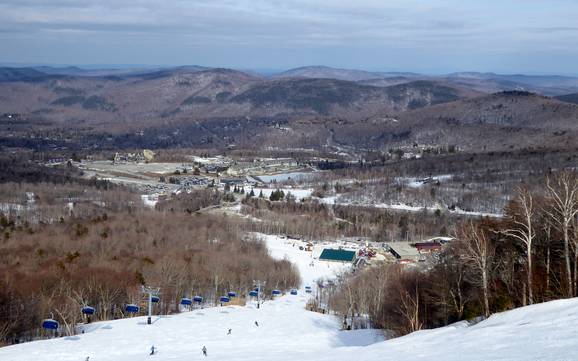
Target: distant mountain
{"points": [[325, 72], [164, 72], [535, 80], [501, 121], [511, 109], [480, 82], [385, 82], [341, 98], [21, 74], [129, 98], [195, 105], [35, 72], [199, 93], [424, 93], [551, 85], [77, 71], [569, 98], [67, 70]]}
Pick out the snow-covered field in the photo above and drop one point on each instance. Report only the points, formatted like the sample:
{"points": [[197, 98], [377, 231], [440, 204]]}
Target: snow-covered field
{"points": [[282, 177], [336, 200], [288, 332], [130, 168]]}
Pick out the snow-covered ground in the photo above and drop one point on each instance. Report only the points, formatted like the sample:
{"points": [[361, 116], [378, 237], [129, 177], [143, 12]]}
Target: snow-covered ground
{"points": [[310, 268], [405, 207], [288, 332], [419, 182], [336, 200], [130, 168], [282, 177], [150, 200]]}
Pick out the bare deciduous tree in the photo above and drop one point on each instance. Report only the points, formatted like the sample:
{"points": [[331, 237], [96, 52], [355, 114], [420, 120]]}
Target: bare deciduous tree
{"points": [[409, 308], [563, 191], [522, 230], [478, 251]]}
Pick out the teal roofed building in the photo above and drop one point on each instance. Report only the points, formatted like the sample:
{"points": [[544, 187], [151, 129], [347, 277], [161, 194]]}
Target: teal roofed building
{"points": [[337, 255]]}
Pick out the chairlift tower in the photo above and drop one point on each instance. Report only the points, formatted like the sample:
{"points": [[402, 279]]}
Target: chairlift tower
{"points": [[259, 284], [150, 291]]}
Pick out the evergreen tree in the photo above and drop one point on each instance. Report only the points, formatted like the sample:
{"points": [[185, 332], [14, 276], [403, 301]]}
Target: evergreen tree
{"points": [[277, 195]]}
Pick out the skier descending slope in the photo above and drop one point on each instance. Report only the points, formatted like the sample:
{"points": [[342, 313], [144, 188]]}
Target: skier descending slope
{"points": [[152, 350], [204, 351]]}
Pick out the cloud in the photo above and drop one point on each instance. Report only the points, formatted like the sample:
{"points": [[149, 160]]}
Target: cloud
{"points": [[286, 19], [554, 29], [222, 27]]}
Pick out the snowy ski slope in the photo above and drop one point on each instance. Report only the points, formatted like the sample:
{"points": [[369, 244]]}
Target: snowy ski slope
{"points": [[288, 332]]}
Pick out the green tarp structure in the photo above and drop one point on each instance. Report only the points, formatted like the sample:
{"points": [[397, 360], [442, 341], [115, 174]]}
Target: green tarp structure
{"points": [[337, 255]]}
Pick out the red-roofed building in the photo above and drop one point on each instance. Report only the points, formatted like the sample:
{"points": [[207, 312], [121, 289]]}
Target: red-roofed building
{"points": [[428, 247]]}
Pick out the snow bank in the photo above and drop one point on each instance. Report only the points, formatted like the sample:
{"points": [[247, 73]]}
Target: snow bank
{"points": [[540, 332]]}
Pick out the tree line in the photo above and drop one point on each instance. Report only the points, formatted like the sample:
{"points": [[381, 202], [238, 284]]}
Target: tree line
{"points": [[53, 269]]}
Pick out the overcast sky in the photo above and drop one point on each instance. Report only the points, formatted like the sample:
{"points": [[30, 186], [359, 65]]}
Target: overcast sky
{"points": [[434, 36]]}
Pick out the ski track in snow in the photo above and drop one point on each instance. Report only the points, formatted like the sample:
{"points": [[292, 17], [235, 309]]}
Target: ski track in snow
{"points": [[287, 332]]}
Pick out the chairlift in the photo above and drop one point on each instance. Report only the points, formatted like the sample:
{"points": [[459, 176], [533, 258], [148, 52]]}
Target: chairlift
{"points": [[155, 299], [87, 310], [132, 308], [276, 292], [50, 324], [186, 301], [294, 292], [198, 299], [232, 294], [224, 299], [253, 293]]}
